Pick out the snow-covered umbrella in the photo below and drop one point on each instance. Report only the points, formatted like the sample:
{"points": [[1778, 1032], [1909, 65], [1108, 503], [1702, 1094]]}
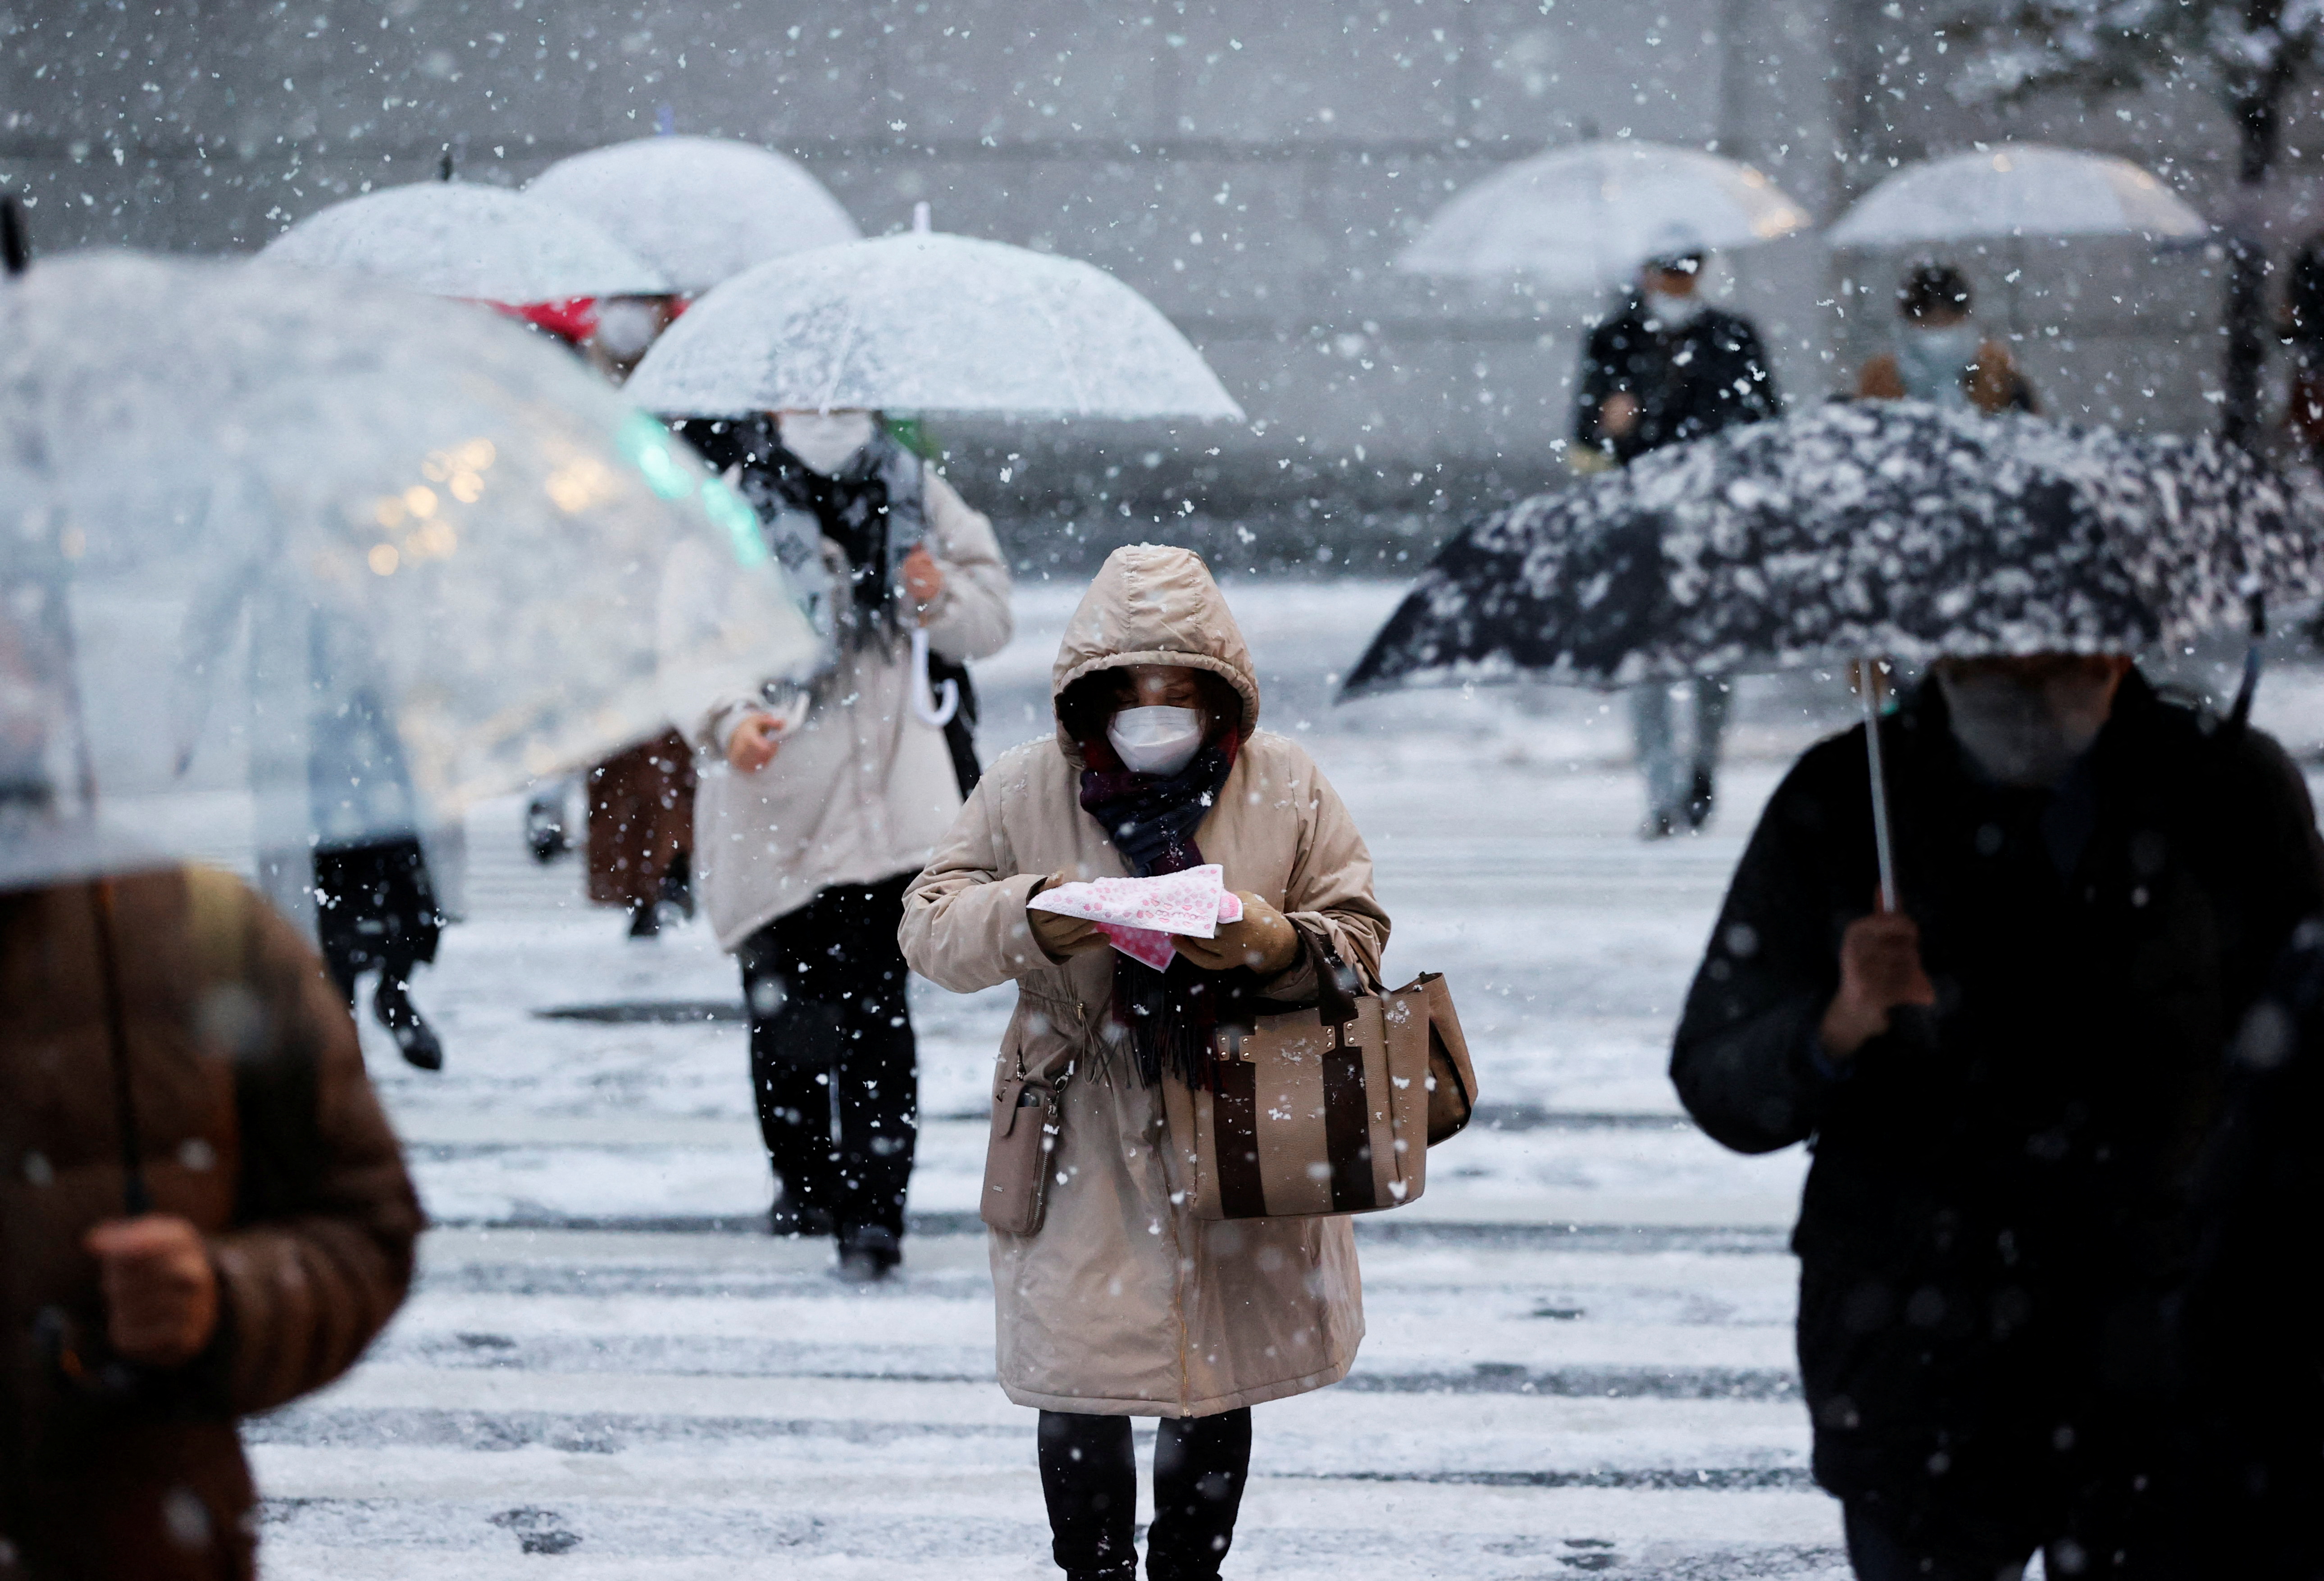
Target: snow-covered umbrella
{"points": [[244, 507], [1585, 217], [701, 209], [1885, 530], [2017, 189], [460, 239], [929, 323]]}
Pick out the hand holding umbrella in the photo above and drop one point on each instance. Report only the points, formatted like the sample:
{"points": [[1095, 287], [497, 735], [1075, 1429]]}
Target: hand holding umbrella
{"points": [[1880, 971]]}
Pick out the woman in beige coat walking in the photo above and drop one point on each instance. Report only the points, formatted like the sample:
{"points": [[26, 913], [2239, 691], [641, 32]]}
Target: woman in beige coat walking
{"points": [[1123, 1303]]}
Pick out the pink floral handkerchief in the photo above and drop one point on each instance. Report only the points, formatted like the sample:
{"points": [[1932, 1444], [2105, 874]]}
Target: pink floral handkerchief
{"points": [[1139, 914]]}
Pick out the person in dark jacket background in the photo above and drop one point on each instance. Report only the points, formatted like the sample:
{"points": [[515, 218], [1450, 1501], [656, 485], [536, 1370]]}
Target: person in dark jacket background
{"points": [[2005, 1085], [1667, 368]]}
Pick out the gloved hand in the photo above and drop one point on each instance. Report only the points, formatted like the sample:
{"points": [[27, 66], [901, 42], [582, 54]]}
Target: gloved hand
{"points": [[1264, 940], [1060, 935]]}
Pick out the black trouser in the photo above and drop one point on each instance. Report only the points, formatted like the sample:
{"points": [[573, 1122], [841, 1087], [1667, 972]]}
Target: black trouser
{"points": [[1881, 1547], [830, 1034], [374, 906], [1088, 1474]]}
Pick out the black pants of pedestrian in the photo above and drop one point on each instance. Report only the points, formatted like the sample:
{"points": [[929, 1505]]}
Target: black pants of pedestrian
{"points": [[1881, 1549], [1089, 1476], [832, 1061], [374, 906]]}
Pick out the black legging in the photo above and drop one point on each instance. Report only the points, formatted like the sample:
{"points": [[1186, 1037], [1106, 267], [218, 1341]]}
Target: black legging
{"points": [[1088, 1474], [829, 1029]]}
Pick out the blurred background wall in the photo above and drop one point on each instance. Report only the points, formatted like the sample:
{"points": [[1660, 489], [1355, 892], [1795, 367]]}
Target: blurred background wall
{"points": [[1252, 166]]}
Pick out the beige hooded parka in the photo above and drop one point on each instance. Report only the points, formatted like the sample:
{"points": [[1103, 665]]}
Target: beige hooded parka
{"points": [[1124, 1303]]}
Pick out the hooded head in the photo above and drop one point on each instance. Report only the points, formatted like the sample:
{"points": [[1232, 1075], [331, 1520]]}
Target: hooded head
{"points": [[1149, 605]]}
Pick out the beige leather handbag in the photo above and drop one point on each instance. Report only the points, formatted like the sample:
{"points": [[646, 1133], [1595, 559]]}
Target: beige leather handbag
{"points": [[1327, 1110]]}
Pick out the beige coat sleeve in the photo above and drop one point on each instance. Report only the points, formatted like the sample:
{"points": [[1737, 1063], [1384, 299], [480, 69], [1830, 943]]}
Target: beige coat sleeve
{"points": [[1330, 888], [971, 619], [964, 926]]}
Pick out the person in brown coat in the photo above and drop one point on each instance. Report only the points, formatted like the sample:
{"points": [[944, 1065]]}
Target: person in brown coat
{"points": [[203, 1213], [1940, 355], [642, 832]]}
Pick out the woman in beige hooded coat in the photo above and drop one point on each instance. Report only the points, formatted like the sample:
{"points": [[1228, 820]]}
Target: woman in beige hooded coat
{"points": [[1123, 1303]]}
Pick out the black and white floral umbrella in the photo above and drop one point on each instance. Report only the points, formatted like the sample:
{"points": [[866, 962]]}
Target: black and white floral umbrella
{"points": [[1886, 529], [1867, 531]]}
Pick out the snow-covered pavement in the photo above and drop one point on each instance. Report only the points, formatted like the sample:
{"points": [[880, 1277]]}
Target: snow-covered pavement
{"points": [[1579, 1353]]}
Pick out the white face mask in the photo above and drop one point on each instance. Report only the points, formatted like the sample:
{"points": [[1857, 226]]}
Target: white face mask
{"points": [[825, 441], [1157, 740], [2025, 735], [626, 327], [1932, 363], [1674, 312]]}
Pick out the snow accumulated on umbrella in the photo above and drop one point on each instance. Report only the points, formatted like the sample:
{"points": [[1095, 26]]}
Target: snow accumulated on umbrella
{"points": [[701, 209], [460, 239], [1585, 217], [929, 323], [1888, 529], [246, 509], [2017, 189]]}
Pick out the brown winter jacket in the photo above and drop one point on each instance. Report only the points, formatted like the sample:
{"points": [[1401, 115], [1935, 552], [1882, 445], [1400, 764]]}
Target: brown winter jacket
{"points": [[257, 1123], [1124, 1303]]}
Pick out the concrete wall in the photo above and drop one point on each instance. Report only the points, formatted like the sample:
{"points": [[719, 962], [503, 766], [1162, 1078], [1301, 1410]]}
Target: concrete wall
{"points": [[1253, 165]]}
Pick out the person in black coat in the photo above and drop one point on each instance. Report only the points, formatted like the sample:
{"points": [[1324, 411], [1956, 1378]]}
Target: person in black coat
{"points": [[1670, 367], [1667, 368], [2004, 1085]]}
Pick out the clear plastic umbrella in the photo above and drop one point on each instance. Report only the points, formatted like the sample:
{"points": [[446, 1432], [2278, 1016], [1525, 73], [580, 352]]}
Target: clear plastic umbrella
{"points": [[252, 518], [701, 209], [1585, 218], [459, 239], [2017, 189], [929, 323]]}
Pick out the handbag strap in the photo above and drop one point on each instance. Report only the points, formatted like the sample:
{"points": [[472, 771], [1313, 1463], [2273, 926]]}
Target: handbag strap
{"points": [[1337, 983]]}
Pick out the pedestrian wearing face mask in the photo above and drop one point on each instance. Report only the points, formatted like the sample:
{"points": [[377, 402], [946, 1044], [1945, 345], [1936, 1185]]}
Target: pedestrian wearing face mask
{"points": [[1123, 1303], [1940, 355], [812, 813], [1670, 367], [2005, 1084]]}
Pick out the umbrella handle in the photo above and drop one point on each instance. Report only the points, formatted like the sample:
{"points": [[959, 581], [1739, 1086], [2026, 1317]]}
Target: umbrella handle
{"points": [[929, 707], [1867, 676]]}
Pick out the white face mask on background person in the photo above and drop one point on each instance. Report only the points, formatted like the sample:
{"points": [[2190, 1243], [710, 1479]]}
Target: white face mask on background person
{"points": [[1155, 740], [626, 327], [1675, 312], [825, 441], [2021, 733], [1932, 363]]}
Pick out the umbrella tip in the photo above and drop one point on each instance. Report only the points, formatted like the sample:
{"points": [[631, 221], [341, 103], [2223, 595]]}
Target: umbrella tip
{"points": [[920, 223], [665, 120], [16, 238]]}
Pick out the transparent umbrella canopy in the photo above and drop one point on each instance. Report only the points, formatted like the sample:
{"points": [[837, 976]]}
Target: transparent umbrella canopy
{"points": [[2016, 190], [701, 209], [459, 239], [252, 516], [1585, 218], [929, 323]]}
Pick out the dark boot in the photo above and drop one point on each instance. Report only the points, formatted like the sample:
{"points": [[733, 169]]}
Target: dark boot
{"points": [[414, 1037], [1699, 800], [645, 920], [868, 1253], [788, 1218]]}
